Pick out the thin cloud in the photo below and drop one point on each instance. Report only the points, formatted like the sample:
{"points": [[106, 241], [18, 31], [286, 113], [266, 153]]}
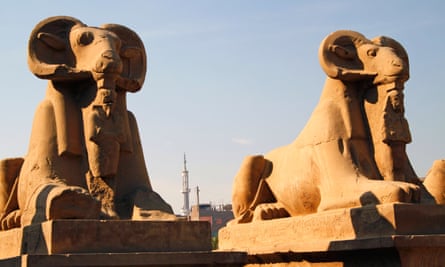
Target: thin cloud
{"points": [[242, 141]]}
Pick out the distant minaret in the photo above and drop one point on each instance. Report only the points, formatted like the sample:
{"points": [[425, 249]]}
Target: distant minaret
{"points": [[185, 211]]}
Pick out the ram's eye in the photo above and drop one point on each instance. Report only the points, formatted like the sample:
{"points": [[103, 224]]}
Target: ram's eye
{"points": [[85, 38], [372, 52]]}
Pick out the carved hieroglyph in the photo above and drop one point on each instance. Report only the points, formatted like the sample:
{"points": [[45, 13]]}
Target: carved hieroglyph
{"points": [[352, 150], [85, 157]]}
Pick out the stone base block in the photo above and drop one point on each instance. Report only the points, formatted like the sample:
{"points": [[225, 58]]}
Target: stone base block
{"points": [[95, 236], [147, 259], [395, 251], [113, 243], [10, 243], [385, 235]]}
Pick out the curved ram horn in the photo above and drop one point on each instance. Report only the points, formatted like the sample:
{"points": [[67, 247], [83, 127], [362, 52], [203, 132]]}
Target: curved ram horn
{"points": [[52, 40], [49, 51], [400, 50], [133, 57], [338, 57]]}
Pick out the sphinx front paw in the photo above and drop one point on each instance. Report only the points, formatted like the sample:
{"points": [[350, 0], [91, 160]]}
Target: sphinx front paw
{"points": [[269, 211]]}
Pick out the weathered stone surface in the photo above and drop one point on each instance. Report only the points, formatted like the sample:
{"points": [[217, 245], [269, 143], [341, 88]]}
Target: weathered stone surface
{"points": [[113, 243], [385, 235], [92, 236], [10, 243], [146, 259], [400, 255], [362, 228], [427, 250]]}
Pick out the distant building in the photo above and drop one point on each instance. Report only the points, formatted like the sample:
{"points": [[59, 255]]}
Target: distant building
{"points": [[217, 216]]}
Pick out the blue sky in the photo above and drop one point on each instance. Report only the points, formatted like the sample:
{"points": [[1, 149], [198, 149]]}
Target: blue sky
{"points": [[230, 78]]}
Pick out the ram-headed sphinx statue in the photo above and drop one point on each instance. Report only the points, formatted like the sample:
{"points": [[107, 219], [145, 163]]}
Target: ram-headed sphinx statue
{"points": [[85, 157], [352, 151]]}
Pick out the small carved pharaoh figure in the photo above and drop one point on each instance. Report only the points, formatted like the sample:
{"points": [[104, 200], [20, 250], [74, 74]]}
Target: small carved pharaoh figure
{"points": [[391, 134], [104, 135], [85, 158], [394, 124]]}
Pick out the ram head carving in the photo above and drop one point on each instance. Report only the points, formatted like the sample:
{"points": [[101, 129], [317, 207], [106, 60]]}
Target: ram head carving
{"points": [[349, 56], [63, 48]]}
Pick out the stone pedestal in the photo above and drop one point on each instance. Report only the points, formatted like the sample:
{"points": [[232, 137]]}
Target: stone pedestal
{"points": [[384, 235], [140, 259], [113, 243]]}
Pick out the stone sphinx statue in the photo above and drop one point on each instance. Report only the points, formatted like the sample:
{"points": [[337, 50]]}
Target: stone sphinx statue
{"points": [[85, 158], [352, 151]]}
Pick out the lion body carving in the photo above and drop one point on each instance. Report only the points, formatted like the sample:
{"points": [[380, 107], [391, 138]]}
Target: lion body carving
{"points": [[347, 154]]}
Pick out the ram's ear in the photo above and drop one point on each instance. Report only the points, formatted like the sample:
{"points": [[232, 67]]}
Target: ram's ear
{"points": [[398, 48], [338, 55], [133, 57], [49, 52]]}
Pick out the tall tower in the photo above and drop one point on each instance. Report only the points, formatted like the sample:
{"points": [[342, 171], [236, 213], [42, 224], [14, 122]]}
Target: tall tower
{"points": [[185, 211]]}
